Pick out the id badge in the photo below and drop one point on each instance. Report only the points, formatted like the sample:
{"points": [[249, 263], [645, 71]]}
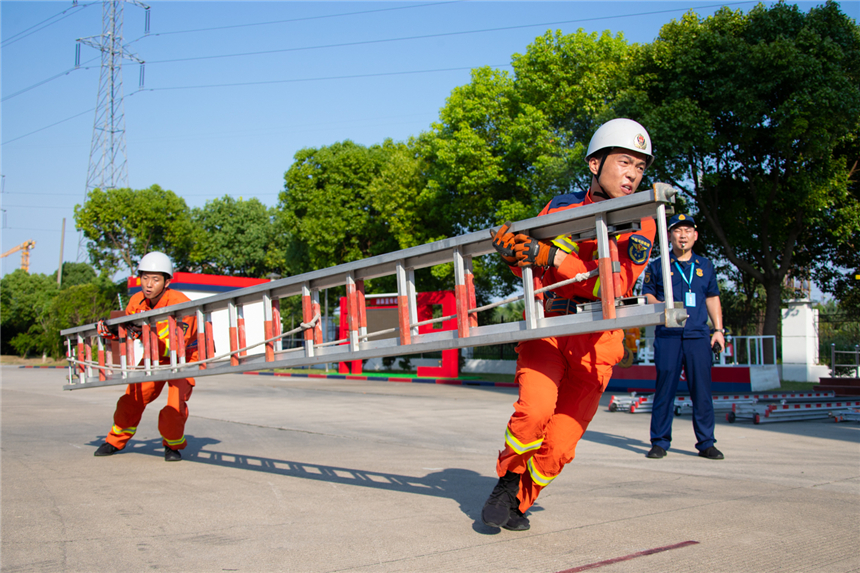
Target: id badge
{"points": [[690, 299]]}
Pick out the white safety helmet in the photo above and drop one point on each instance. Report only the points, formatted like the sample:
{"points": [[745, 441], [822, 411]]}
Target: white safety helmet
{"points": [[156, 262], [621, 133]]}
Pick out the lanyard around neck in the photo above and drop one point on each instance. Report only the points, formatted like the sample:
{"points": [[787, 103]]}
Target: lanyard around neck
{"points": [[689, 281]]}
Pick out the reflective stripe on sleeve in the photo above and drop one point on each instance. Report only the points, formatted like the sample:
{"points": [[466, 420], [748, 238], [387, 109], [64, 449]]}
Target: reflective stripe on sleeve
{"points": [[518, 446], [596, 291], [565, 244]]}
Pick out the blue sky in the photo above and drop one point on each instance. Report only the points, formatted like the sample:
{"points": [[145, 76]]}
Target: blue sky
{"points": [[234, 89]]}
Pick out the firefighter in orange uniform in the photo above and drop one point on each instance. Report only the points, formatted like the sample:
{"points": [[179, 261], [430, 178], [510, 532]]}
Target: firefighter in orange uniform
{"points": [[561, 379], [155, 272]]}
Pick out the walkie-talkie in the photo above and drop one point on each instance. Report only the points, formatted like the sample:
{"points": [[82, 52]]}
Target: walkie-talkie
{"points": [[717, 349]]}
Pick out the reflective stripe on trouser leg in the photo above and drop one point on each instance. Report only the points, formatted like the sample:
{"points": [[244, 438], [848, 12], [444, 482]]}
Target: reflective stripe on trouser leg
{"points": [[116, 430], [537, 476], [171, 419], [540, 366], [129, 410], [520, 447], [173, 444], [590, 359]]}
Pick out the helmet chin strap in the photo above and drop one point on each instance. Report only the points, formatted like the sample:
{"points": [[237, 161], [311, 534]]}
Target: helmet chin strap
{"points": [[600, 191]]}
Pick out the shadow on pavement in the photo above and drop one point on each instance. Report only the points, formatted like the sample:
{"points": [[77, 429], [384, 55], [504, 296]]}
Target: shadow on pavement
{"points": [[466, 487]]}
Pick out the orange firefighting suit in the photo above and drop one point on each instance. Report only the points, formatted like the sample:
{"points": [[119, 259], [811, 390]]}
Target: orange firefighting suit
{"points": [[129, 408], [561, 379]]}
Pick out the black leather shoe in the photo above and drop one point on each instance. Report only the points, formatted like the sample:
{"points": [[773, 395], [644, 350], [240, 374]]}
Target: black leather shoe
{"points": [[171, 455], [517, 521], [656, 452], [498, 507], [712, 453], [106, 449]]}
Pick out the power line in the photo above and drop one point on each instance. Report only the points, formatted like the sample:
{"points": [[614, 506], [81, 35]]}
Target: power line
{"points": [[429, 36], [34, 207], [14, 38], [319, 79], [52, 78], [241, 84], [353, 44], [304, 19], [49, 126]]}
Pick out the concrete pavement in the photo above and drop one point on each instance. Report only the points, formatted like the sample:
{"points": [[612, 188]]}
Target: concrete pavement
{"points": [[310, 475]]}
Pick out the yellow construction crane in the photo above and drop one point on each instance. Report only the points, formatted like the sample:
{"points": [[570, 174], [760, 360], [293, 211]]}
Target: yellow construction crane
{"points": [[25, 254]]}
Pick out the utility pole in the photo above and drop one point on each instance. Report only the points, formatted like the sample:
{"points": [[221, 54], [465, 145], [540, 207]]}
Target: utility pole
{"points": [[62, 243], [108, 167]]}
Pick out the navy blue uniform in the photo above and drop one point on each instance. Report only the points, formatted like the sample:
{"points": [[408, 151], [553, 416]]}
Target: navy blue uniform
{"points": [[688, 347]]}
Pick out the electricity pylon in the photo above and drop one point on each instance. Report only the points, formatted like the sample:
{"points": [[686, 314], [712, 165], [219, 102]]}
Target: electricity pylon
{"points": [[108, 167]]}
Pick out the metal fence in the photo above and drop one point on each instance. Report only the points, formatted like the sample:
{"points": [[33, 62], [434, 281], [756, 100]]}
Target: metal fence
{"points": [[849, 367], [739, 351]]}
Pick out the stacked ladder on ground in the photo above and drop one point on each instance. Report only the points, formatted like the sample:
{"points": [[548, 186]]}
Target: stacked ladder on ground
{"points": [[852, 414], [92, 364], [630, 403], [728, 402], [643, 404], [769, 406], [791, 409]]}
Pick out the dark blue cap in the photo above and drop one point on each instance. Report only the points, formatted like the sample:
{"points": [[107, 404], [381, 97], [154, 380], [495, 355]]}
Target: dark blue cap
{"points": [[681, 219]]}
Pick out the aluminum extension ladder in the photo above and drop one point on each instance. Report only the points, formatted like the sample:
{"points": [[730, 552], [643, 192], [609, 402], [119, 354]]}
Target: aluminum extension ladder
{"points": [[91, 360]]}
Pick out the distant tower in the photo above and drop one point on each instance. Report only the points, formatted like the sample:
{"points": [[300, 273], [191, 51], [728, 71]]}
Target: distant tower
{"points": [[108, 168]]}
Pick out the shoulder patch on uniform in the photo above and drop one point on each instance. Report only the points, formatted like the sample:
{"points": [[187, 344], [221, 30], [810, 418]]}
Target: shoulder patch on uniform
{"points": [[565, 200], [638, 249], [647, 277]]}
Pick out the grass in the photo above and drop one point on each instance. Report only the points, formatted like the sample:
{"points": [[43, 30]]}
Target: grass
{"points": [[12, 360], [509, 378], [793, 386]]}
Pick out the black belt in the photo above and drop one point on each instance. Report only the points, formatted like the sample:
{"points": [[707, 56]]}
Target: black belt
{"points": [[560, 305]]}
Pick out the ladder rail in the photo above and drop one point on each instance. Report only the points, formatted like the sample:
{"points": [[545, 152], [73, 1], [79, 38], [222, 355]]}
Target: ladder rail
{"points": [[600, 221]]}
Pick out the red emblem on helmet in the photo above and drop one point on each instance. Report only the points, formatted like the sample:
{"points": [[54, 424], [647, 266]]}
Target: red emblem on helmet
{"points": [[639, 141]]}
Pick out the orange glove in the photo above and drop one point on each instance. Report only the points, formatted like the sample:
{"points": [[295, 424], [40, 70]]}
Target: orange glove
{"points": [[531, 252], [503, 242], [105, 331]]}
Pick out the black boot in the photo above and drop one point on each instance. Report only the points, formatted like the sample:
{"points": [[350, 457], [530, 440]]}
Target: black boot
{"points": [[517, 521], [499, 506], [106, 449], [171, 455]]}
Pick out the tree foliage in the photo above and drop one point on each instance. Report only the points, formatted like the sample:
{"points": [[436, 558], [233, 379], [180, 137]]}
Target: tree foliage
{"points": [[346, 202], [236, 237], [505, 144], [749, 115], [122, 225], [23, 299], [76, 274], [33, 309]]}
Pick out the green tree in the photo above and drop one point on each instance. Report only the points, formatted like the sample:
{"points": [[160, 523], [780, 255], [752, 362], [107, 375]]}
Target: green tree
{"points": [[76, 274], [505, 144], [346, 202], [122, 225], [23, 298], [72, 306], [237, 237], [749, 114]]}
